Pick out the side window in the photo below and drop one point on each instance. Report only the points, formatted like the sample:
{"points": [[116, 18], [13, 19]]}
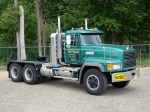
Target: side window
{"points": [[74, 40]]}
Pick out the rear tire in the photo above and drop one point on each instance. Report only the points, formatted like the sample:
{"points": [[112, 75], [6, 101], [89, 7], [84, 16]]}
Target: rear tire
{"points": [[29, 74], [15, 72], [95, 82], [120, 84]]}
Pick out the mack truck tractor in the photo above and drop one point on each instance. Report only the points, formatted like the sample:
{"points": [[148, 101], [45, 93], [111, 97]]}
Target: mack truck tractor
{"points": [[80, 54]]}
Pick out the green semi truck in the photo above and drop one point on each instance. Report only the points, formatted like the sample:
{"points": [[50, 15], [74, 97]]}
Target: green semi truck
{"points": [[81, 55]]}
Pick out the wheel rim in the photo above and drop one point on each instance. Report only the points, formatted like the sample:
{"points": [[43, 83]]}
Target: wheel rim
{"points": [[93, 82], [14, 72], [28, 74]]}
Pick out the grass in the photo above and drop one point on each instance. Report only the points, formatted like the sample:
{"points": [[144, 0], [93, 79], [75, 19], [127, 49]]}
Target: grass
{"points": [[142, 63], [3, 68]]}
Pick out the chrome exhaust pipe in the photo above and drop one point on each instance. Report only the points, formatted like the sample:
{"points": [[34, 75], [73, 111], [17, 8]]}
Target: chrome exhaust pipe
{"points": [[86, 22], [59, 44]]}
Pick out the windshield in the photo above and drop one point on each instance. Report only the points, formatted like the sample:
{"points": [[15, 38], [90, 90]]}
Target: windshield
{"points": [[91, 39]]}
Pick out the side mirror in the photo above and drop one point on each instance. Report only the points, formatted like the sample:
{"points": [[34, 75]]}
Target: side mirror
{"points": [[68, 39]]}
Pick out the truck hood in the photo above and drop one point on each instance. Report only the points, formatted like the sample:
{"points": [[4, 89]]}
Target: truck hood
{"points": [[109, 47]]}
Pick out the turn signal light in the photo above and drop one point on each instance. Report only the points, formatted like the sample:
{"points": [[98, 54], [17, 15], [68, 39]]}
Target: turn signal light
{"points": [[109, 66]]}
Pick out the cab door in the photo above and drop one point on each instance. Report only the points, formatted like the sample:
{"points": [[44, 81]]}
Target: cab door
{"points": [[72, 49]]}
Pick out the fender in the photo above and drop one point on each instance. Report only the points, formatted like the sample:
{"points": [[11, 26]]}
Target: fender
{"points": [[36, 64], [100, 66]]}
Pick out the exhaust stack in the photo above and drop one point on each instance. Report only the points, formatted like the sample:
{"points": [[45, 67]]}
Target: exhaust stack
{"points": [[59, 44], [86, 22], [58, 24]]}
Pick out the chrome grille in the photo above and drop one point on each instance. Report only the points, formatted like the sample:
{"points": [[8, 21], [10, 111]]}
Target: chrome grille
{"points": [[129, 59]]}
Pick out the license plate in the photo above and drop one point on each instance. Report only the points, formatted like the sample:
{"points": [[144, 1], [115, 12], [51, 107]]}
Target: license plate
{"points": [[119, 77]]}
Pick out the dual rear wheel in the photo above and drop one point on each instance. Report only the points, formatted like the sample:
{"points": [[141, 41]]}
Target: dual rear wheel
{"points": [[27, 73]]}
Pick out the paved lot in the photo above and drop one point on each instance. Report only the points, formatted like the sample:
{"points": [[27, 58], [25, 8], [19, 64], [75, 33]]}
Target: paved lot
{"points": [[70, 96]]}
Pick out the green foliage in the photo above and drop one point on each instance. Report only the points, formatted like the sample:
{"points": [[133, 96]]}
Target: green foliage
{"points": [[143, 62], [9, 25], [72, 13], [9, 22], [4, 4], [126, 22]]}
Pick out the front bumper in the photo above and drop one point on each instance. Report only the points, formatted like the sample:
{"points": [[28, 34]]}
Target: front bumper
{"points": [[125, 76]]}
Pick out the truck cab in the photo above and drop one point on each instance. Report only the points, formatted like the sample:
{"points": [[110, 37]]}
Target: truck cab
{"points": [[87, 46], [80, 45]]}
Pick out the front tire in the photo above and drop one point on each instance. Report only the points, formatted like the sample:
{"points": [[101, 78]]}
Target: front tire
{"points": [[95, 82], [29, 74], [120, 84], [15, 72]]}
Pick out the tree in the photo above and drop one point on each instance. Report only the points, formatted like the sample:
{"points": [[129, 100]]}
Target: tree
{"points": [[37, 2], [21, 53], [122, 21]]}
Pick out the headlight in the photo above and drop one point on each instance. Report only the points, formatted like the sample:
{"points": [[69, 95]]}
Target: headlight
{"points": [[113, 66], [117, 66]]}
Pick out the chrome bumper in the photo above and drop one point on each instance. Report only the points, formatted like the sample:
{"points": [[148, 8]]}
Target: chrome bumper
{"points": [[129, 75]]}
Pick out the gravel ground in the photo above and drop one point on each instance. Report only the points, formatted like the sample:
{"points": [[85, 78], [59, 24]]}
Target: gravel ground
{"points": [[70, 96]]}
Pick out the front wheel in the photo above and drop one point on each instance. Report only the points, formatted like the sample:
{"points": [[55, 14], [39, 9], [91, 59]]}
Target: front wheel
{"points": [[95, 82], [29, 74], [120, 84]]}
